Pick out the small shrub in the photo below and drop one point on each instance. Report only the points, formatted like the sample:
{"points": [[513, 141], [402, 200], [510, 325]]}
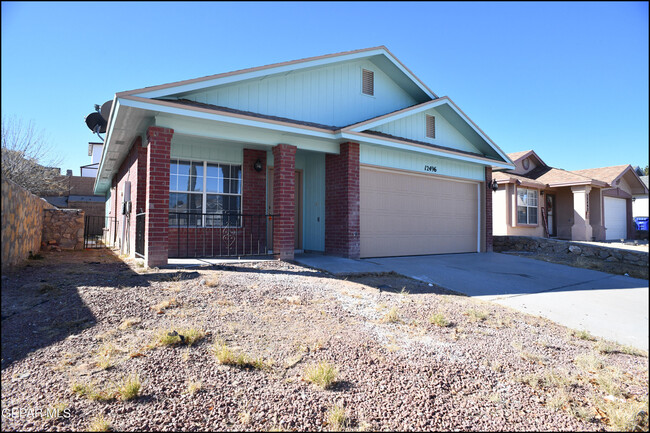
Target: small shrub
{"points": [[588, 362], [194, 387], [633, 351], [392, 316], [438, 319], [173, 337], [583, 335], [322, 374], [129, 388], [558, 399], [99, 424], [128, 322], [477, 315], [336, 418], [605, 347], [629, 415], [227, 356], [166, 304]]}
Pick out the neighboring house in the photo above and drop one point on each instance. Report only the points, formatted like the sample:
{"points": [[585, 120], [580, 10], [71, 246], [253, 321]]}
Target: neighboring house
{"points": [[640, 201], [351, 152], [537, 200], [79, 193], [618, 198], [95, 153]]}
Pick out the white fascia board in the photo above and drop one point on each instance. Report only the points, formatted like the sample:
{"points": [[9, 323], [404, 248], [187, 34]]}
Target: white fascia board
{"points": [[152, 106], [356, 138], [483, 136], [260, 73], [111, 124], [405, 113]]}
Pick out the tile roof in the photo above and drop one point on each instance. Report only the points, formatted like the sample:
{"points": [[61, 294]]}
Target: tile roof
{"points": [[544, 176], [606, 174]]}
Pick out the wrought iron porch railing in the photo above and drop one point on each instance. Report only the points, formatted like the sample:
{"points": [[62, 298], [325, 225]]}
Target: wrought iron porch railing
{"points": [[226, 234]]}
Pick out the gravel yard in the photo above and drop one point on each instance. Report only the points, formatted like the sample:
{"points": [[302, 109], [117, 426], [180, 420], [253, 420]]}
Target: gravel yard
{"points": [[405, 355]]}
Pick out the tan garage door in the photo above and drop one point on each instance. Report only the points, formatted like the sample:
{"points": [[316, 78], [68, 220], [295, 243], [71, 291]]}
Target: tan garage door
{"points": [[408, 214]]}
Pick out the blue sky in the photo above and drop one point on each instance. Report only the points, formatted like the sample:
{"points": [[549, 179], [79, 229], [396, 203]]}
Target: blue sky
{"points": [[569, 80]]}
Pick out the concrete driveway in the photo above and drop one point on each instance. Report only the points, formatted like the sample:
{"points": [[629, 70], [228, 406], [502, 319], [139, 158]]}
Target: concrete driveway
{"points": [[609, 306]]}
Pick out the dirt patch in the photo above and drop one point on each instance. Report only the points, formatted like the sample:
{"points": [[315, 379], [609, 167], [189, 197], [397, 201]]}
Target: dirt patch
{"points": [[408, 355]]}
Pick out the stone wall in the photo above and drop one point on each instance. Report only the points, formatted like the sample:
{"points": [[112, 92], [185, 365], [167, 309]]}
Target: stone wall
{"points": [[600, 258], [63, 228], [22, 223]]}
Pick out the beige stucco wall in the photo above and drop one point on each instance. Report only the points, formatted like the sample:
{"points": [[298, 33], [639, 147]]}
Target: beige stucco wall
{"points": [[503, 214]]}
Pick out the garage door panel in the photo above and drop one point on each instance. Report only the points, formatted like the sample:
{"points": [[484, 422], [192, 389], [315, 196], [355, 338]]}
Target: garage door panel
{"points": [[403, 214], [615, 218]]}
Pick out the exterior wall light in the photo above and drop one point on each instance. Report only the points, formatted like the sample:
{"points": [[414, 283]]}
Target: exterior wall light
{"points": [[493, 185], [258, 165]]}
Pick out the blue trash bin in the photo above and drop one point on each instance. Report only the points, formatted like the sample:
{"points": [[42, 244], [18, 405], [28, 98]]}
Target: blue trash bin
{"points": [[641, 223]]}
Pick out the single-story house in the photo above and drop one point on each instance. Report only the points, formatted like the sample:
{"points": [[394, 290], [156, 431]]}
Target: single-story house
{"points": [[537, 200], [348, 154], [618, 199], [640, 201]]}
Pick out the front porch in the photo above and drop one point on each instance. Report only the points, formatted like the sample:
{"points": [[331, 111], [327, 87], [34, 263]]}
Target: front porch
{"points": [[195, 197]]}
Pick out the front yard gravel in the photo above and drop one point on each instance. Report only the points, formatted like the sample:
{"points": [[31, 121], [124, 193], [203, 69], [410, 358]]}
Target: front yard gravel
{"points": [[491, 368]]}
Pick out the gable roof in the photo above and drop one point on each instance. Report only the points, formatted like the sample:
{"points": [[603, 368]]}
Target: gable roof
{"points": [[612, 174], [448, 109], [516, 156], [545, 176], [644, 179], [385, 60], [606, 174]]}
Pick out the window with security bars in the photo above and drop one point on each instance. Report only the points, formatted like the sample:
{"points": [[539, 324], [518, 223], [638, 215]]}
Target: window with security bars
{"points": [[527, 204], [208, 192], [431, 126], [367, 82]]}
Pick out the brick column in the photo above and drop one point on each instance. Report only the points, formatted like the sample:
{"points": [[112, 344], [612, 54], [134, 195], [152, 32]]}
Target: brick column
{"points": [[254, 197], [342, 202], [284, 197], [488, 211], [156, 230]]}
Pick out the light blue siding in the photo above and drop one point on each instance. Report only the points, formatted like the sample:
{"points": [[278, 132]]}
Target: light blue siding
{"points": [[206, 150], [405, 160], [312, 165], [328, 95], [414, 128]]}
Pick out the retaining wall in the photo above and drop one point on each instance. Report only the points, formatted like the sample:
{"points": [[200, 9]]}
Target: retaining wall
{"points": [[601, 258], [63, 228]]}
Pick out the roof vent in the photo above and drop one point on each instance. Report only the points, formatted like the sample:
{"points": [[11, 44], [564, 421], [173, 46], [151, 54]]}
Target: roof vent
{"points": [[368, 82], [431, 126]]}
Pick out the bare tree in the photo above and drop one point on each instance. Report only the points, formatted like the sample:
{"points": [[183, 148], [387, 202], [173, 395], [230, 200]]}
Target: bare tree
{"points": [[23, 151]]}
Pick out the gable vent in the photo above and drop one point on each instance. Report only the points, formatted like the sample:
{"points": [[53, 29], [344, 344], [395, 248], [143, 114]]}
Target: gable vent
{"points": [[368, 82], [431, 126]]}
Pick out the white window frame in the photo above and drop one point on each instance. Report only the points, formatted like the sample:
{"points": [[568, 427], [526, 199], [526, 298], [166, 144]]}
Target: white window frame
{"points": [[204, 193], [528, 206]]}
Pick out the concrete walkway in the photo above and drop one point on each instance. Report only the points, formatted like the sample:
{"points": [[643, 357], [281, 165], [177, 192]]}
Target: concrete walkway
{"points": [[610, 306]]}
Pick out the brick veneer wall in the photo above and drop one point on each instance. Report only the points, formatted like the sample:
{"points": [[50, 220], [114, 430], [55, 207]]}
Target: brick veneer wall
{"points": [[133, 169], [254, 183], [22, 223], [156, 242], [284, 201], [488, 211], [342, 202]]}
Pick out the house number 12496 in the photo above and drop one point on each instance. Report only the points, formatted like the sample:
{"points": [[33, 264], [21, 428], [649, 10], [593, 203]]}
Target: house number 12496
{"points": [[430, 168]]}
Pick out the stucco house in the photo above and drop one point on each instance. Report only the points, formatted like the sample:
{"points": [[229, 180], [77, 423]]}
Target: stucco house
{"points": [[640, 201], [535, 199], [347, 154], [618, 199]]}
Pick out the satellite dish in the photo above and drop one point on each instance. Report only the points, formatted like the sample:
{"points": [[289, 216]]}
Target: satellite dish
{"points": [[105, 111], [96, 122]]}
